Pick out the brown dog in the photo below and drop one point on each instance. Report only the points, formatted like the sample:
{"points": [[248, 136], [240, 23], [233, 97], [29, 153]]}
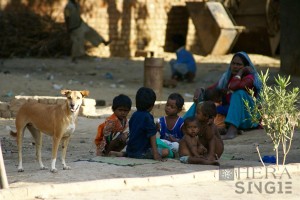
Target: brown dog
{"points": [[58, 121]]}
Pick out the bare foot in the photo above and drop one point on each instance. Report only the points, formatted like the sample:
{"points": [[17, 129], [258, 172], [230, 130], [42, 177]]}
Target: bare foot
{"points": [[231, 133], [99, 152], [216, 156], [222, 131], [216, 163]]}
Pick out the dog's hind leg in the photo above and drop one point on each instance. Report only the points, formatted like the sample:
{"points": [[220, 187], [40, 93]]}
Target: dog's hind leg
{"points": [[64, 144], [20, 135], [38, 138]]}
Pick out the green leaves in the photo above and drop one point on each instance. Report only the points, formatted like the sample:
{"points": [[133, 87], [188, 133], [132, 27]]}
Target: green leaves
{"points": [[277, 110]]}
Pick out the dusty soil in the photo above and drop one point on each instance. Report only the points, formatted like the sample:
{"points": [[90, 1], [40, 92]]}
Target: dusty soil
{"points": [[106, 78]]}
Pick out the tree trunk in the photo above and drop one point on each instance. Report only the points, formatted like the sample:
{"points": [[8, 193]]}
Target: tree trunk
{"points": [[290, 36]]}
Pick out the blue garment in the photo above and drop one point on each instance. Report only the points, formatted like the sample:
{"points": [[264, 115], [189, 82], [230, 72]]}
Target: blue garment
{"points": [[191, 112], [141, 128], [175, 131], [184, 57], [161, 145], [237, 113], [222, 109], [269, 159]]}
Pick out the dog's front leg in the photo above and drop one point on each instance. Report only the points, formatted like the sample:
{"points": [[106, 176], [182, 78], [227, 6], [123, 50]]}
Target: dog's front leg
{"points": [[55, 144], [65, 142]]}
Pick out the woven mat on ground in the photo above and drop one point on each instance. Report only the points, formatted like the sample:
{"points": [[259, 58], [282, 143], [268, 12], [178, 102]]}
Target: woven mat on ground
{"points": [[230, 157], [122, 161]]}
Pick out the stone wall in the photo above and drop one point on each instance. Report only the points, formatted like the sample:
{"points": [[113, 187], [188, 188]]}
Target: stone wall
{"points": [[131, 24], [10, 109], [88, 107]]}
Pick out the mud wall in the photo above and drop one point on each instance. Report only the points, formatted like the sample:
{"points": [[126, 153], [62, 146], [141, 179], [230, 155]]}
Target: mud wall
{"points": [[130, 24]]}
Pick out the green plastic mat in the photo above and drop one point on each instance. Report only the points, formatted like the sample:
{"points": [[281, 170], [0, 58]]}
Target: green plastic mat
{"points": [[122, 161]]}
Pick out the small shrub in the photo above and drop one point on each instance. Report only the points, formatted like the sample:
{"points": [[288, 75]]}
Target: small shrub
{"points": [[276, 110]]}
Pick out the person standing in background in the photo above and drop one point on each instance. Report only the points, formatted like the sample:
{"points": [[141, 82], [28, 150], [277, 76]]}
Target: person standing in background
{"points": [[80, 31]]}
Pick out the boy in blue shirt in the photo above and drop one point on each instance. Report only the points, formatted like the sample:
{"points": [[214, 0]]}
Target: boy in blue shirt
{"points": [[171, 124], [184, 67], [142, 129]]}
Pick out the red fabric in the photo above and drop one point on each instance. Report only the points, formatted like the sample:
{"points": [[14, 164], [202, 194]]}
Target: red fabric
{"points": [[111, 125], [237, 84], [245, 82]]}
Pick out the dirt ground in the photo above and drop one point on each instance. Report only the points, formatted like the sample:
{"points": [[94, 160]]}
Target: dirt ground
{"points": [[106, 78]]}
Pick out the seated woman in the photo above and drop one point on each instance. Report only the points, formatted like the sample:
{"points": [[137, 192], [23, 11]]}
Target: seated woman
{"points": [[234, 83]]}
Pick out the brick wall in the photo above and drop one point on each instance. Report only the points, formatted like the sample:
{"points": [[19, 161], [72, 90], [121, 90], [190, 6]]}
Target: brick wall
{"points": [[131, 24]]}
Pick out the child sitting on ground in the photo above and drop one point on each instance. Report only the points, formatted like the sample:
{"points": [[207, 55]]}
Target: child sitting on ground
{"points": [[113, 133], [191, 150], [215, 95], [142, 138], [170, 125], [209, 135]]}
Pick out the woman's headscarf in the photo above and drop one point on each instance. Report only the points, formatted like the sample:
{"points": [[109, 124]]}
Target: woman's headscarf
{"points": [[223, 82]]}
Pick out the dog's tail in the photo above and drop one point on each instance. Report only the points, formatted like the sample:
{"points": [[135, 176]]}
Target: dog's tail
{"points": [[11, 132]]}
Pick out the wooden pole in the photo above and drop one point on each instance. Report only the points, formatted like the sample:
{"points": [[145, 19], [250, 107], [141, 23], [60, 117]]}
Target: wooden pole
{"points": [[4, 182]]}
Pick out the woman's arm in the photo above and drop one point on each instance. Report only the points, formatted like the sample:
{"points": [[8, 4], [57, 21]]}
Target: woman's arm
{"points": [[237, 83], [242, 80]]}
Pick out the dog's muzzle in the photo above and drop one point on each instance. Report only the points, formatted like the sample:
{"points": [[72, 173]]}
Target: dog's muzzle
{"points": [[74, 108]]}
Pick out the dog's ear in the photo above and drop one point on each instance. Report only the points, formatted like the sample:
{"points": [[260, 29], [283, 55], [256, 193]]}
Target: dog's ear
{"points": [[65, 92], [85, 93]]}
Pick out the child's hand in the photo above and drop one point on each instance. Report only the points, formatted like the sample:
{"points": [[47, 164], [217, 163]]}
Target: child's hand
{"points": [[125, 134], [157, 124], [172, 138], [210, 121], [202, 150], [156, 156]]}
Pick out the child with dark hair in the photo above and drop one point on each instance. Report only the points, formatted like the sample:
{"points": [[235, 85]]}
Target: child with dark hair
{"points": [[142, 138], [170, 125], [191, 151], [112, 134], [209, 135], [215, 95], [184, 67]]}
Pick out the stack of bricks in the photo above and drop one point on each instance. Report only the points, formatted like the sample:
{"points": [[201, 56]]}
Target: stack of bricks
{"points": [[10, 109]]}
